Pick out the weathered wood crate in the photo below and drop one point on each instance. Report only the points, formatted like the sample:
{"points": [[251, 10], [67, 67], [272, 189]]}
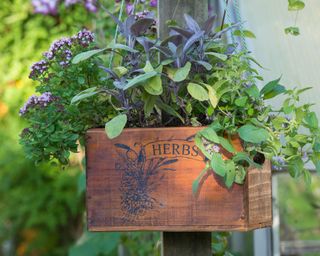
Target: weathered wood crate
{"points": [[142, 180]]}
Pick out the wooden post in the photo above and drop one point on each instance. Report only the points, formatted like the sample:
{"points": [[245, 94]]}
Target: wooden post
{"points": [[183, 243]]}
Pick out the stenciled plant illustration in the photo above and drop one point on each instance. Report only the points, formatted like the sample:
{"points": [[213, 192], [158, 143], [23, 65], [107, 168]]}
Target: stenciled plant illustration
{"points": [[191, 78], [140, 178]]}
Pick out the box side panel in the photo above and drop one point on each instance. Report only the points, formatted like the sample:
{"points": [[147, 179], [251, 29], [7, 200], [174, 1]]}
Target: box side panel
{"points": [[142, 180], [259, 197]]}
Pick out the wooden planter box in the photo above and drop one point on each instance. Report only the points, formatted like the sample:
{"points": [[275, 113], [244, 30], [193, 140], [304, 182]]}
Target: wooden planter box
{"points": [[142, 180]]}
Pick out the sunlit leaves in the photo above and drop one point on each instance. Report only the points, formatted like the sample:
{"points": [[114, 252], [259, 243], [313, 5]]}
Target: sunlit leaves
{"points": [[253, 134], [115, 126], [198, 92]]}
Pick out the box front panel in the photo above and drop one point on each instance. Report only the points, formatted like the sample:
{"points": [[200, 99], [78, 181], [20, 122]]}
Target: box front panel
{"points": [[142, 180]]}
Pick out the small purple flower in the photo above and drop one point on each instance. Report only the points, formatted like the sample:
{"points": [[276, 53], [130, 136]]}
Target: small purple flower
{"points": [[91, 5], [43, 100], [129, 8], [216, 148], [38, 69], [46, 7], [278, 163], [71, 2], [84, 37], [153, 3]]}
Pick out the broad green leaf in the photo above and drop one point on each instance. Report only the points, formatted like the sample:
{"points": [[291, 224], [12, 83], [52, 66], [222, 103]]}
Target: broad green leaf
{"points": [[115, 126], [295, 167], [196, 183], [241, 101], [154, 85], [240, 175], [213, 98], [218, 55], [218, 165], [113, 46], [219, 84], [120, 71], [209, 134], [205, 64], [197, 92], [312, 120], [86, 55], [316, 161], [253, 134], [253, 92], [149, 102], [272, 89], [182, 73], [226, 145], [230, 173], [244, 33], [296, 5], [242, 156], [168, 109], [139, 79], [84, 94], [307, 177]]}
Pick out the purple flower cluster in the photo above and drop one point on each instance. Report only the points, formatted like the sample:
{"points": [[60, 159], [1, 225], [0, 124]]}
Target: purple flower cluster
{"points": [[38, 68], [84, 37], [278, 163], [43, 100], [130, 5], [61, 51], [45, 7], [50, 7]]}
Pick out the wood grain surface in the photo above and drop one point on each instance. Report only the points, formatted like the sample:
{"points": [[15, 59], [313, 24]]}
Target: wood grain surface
{"points": [[142, 180]]}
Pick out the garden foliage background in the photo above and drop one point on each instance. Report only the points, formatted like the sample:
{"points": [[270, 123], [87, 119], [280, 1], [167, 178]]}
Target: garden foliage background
{"points": [[42, 207]]}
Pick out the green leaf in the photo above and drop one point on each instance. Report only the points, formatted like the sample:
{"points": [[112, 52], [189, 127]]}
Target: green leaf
{"points": [[253, 134], [120, 71], [154, 85], [84, 94], [244, 33], [197, 92], [218, 165], [196, 183], [213, 98], [113, 46], [115, 126], [295, 167], [241, 101], [240, 175], [242, 156], [182, 73], [149, 102], [272, 89], [199, 144], [139, 79], [312, 120], [295, 31], [316, 161], [209, 134], [230, 173], [218, 55], [226, 145], [296, 5], [86, 55], [253, 92], [168, 109]]}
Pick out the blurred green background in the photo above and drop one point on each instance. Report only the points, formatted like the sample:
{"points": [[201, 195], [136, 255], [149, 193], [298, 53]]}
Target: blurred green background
{"points": [[42, 207]]}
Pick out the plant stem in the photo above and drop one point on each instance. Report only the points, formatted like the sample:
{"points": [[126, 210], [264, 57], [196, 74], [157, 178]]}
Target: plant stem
{"points": [[116, 32]]}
